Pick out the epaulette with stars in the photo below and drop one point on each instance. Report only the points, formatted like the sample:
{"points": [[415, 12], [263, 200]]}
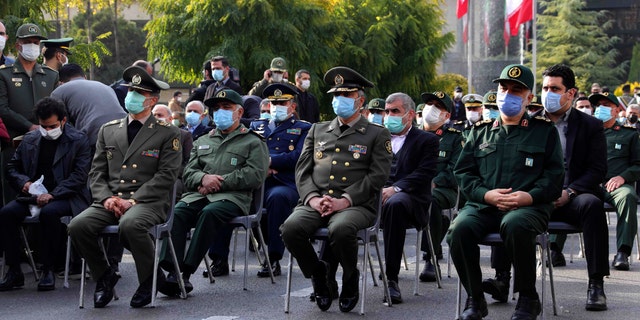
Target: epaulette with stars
{"points": [[483, 122], [112, 122], [545, 119], [376, 124], [163, 123], [257, 134], [630, 126], [453, 130]]}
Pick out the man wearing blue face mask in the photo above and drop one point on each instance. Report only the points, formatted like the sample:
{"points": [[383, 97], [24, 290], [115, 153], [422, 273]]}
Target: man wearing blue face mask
{"points": [[220, 74], [194, 116], [226, 165], [407, 193], [343, 165], [436, 112], [623, 162], [136, 163], [510, 171], [581, 203], [375, 111]]}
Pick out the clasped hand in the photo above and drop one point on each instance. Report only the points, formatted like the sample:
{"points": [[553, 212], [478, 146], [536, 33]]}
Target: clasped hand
{"points": [[117, 205], [505, 200], [327, 205], [210, 183]]}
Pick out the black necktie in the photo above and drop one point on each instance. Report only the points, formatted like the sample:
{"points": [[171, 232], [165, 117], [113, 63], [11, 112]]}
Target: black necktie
{"points": [[344, 127], [132, 129]]}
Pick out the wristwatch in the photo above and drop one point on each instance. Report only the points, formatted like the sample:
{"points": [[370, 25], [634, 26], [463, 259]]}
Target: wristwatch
{"points": [[571, 194], [397, 189], [132, 201]]}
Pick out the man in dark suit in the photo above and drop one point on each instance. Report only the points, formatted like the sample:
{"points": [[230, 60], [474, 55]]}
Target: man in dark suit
{"points": [[584, 145], [407, 193], [220, 74], [195, 116]]}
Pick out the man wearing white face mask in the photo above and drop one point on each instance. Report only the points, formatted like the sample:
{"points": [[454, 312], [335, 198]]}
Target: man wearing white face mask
{"points": [[473, 112], [582, 104], [277, 73], [3, 41], [308, 108], [458, 112], [62, 155], [56, 52], [436, 111], [22, 84]]}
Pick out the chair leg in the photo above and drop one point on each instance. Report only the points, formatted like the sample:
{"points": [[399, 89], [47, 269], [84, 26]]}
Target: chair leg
{"points": [[176, 266], [266, 254], [66, 263], [458, 298], [582, 255], [4, 262], [287, 298], [29, 254], [235, 246], [156, 262], [637, 245], [256, 246], [364, 278], [384, 275], [247, 243], [434, 259], [207, 265], [551, 285], [417, 276], [404, 259], [373, 272], [542, 242], [82, 281]]}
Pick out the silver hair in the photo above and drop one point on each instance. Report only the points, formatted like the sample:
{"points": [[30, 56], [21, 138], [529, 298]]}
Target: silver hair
{"points": [[195, 102], [163, 106], [407, 102]]}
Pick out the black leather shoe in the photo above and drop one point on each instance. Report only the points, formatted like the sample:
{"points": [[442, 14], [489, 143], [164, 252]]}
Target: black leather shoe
{"points": [[219, 267], [275, 266], [596, 300], [428, 273], [13, 279], [47, 282], [527, 309], [142, 297], [104, 288], [350, 292], [498, 287], [394, 292], [557, 259], [171, 287], [474, 310], [321, 287], [621, 261]]}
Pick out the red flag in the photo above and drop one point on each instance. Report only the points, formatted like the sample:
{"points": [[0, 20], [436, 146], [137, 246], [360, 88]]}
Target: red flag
{"points": [[465, 28], [463, 7], [486, 22], [517, 12]]}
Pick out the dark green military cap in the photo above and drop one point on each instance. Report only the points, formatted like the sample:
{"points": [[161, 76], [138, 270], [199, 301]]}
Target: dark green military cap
{"points": [[278, 64], [29, 30], [138, 78], [536, 102], [439, 96], [62, 43], [376, 104], [223, 95], [279, 92], [517, 73], [419, 108], [344, 79], [594, 98], [489, 99]]}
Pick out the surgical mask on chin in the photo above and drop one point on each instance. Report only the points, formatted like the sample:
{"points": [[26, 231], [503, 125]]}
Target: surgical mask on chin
{"points": [[343, 107], [175, 122], [490, 114], [52, 134], [3, 42], [277, 77], [265, 115], [279, 113], [394, 124], [66, 61], [603, 113], [193, 119], [134, 102], [375, 118], [30, 51], [305, 84], [218, 74], [622, 121], [551, 101], [510, 105], [223, 119], [431, 115], [473, 116], [586, 110]]}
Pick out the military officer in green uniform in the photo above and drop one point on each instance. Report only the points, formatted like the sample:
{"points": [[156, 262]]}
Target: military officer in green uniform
{"points": [[375, 111], [22, 84], [225, 167], [623, 170], [489, 106], [535, 106], [473, 111], [343, 165], [510, 170], [136, 163], [56, 52], [436, 112]]}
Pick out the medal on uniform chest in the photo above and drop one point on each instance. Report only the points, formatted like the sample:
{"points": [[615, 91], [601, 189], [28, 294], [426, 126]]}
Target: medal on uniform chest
{"points": [[356, 155], [109, 155], [320, 148], [291, 147]]}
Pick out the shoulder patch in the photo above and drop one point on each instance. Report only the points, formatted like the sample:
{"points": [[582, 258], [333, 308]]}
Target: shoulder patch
{"points": [[6, 66], [541, 118], [483, 122], [459, 122], [453, 130], [629, 126], [163, 123], [376, 124], [257, 134], [112, 122], [303, 121]]}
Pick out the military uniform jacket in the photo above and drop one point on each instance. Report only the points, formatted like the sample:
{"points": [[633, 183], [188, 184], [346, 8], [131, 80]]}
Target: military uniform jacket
{"points": [[70, 167], [448, 153], [355, 162], [144, 171], [241, 158], [623, 153], [19, 93], [526, 157], [285, 144]]}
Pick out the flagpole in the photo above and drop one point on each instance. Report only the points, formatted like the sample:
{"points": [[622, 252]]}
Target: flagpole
{"points": [[469, 46], [534, 48], [521, 34]]}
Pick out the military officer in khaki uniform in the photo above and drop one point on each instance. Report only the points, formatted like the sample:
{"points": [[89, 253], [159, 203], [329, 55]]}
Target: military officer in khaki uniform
{"points": [[343, 166], [22, 84], [510, 170], [226, 165], [136, 163], [436, 112], [623, 170]]}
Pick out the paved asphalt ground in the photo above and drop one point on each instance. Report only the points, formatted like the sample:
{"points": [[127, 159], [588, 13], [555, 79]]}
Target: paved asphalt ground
{"points": [[226, 300]]}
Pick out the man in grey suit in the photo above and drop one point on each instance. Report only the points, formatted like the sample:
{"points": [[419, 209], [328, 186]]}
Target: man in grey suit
{"points": [[136, 163]]}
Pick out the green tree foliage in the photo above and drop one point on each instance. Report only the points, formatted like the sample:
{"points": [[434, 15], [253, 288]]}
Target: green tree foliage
{"points": [[634, 69], [570, 35], [396, 44]]}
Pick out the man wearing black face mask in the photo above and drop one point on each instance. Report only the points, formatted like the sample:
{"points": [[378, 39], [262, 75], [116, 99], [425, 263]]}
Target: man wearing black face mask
{"points": [[62, 155], [633, 110]]}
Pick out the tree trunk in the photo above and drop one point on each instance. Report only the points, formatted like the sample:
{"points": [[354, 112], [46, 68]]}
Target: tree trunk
{"points": [[89, 40], [115, 32]]}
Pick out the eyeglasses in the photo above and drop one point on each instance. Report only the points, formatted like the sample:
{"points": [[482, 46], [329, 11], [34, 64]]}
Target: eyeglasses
{"points": [[2, 33]]}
